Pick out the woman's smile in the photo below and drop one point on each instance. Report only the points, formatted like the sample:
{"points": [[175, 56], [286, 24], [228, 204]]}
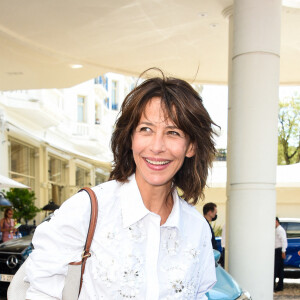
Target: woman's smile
{"points": [[157, 164]]}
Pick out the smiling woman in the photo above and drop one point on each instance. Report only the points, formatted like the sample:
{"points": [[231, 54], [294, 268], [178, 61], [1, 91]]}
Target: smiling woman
{"points": [[181, 107], [145, 244]]}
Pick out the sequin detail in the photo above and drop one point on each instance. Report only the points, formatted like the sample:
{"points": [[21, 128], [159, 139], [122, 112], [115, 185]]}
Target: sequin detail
{"points": [[136, 232], [131, 277], [170, 241], [179, 266]]}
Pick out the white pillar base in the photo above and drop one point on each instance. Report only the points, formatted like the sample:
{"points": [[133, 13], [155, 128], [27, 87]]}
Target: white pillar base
{"points": [[251, 252]]}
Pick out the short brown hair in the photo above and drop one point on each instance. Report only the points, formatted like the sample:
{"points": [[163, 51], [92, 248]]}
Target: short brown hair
{"points": [[184, 106], [210, 206]]}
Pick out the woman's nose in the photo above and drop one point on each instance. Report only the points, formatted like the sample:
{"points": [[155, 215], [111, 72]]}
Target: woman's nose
{"points": [[158, 143]]}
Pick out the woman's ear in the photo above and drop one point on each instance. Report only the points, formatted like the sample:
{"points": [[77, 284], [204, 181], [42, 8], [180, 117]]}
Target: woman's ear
{"points": [[191, 150]]}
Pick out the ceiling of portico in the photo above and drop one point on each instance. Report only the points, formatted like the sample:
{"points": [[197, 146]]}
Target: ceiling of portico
{"points": [[41, 40]]}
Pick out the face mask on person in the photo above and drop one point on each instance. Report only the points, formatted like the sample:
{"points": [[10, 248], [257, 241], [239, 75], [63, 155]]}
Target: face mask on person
{"points": [[214, 218]]}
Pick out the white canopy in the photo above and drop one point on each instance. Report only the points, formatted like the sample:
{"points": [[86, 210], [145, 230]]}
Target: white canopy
{"points": [[43, 42], [286, 175], [6, 182]]}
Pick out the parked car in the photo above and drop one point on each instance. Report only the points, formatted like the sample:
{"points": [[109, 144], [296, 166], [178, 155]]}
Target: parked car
{"points": [[226, 288], [292, 261], [12, 255]]}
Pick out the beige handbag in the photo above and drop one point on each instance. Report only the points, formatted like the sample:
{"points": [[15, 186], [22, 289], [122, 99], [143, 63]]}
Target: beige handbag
{"points": [[73, 281]]}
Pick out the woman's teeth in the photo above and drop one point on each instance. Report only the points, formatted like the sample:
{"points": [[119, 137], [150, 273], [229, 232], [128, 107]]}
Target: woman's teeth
{"points": [[155, 162]]}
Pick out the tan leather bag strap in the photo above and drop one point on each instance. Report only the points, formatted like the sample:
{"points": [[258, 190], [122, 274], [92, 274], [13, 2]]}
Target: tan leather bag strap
{"points": [[93, 222]]}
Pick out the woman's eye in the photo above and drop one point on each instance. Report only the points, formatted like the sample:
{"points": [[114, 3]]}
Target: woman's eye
{"points": [[145, 129], [172, 132]]}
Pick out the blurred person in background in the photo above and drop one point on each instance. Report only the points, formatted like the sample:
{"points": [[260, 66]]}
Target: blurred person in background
{"points": [[280, 255], [210, 214], [7, 225]]}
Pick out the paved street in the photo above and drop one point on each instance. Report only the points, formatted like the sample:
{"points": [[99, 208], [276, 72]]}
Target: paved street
{"points": [[291, 290]]}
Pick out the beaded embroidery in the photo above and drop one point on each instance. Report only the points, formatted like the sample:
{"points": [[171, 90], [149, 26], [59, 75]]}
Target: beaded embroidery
{"points": [[170, 241], [136, 232]]}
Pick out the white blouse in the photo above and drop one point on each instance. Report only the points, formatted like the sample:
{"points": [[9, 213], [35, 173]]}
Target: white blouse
{"points": [[133, 257]]}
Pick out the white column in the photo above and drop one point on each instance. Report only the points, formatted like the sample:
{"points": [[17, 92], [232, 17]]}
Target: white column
{"points": [[252, 139], [228, 13], [3, 145]]}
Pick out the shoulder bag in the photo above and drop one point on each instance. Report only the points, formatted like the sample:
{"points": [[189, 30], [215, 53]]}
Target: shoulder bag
{"points": [[73, 281]]}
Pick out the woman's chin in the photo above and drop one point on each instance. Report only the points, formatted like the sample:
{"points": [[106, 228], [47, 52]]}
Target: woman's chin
{"points": [[158, 181]]}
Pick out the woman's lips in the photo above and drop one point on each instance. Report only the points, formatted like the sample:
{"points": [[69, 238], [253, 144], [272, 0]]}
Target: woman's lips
{"points": [[157, 164]]}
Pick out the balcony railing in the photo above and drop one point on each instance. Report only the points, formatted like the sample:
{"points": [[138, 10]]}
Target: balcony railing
{"points": [[94, 132]]}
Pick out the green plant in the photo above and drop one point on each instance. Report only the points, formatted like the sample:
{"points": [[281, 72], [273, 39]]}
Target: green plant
{"points": [[23, 204], [289, 130], [217, 229]]}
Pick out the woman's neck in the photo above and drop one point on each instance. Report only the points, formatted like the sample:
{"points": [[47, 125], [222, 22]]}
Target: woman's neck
{"points": [[158, 199]]}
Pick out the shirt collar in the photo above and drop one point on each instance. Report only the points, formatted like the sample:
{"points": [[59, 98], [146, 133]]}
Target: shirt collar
{"points": [[133, 208], [174, 219], [132, 205]]}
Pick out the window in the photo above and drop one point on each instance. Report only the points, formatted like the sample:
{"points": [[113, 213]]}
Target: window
{"points": [[293, 230], [57, 178], [99, 80], [81, 113], [284, 225], [22, 163], [82, 177], [106, 102], [100, 178], [114, 95], [97, 114]]}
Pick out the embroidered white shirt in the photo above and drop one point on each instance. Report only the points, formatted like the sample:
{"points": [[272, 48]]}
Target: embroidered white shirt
{"points": [[133, 257]]}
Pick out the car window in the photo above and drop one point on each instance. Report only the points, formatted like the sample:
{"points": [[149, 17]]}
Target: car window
{"points": [[284, 225], [293, 230]]}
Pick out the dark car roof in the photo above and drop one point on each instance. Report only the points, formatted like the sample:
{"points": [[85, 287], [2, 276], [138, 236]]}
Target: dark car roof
{"points": [[294, 220], [16, 245], [19, 245]]}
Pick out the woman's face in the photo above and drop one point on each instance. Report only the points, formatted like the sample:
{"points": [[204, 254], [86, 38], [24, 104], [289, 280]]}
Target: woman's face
{"points": [[10, 214], [159, 147]]}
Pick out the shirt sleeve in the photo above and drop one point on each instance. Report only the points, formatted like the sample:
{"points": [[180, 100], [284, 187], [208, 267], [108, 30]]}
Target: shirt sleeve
{"points": [[56, 244], [282, 236], [35, 295], [201, 297], [208, 271]]}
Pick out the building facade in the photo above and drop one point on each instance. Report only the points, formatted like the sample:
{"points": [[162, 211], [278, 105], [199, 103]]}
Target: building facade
{"points": [[57, 141]]}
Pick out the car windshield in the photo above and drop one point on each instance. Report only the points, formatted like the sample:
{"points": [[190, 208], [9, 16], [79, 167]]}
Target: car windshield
{"points": [[293, 230]]}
